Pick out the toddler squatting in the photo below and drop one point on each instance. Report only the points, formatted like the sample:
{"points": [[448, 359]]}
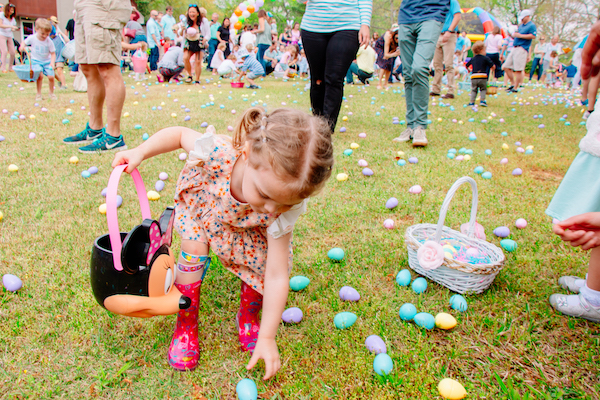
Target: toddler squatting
{"points": [[240, 197]]}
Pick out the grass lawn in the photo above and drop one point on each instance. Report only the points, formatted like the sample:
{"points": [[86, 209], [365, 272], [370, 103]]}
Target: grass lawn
{"points": [[57, 342]]}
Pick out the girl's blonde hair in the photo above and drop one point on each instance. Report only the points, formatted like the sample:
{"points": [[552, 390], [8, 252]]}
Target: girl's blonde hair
{"points": [[221, 46], [297, 146]]}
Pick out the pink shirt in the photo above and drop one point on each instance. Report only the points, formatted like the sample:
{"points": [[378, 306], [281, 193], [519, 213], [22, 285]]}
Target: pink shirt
{"points": [[493, 44]]}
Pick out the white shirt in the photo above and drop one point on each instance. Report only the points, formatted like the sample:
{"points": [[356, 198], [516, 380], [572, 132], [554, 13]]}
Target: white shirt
{"points": [[247, 38], [40, 50], [493, 44], [7, 32], [226, 67], [550, 48]]}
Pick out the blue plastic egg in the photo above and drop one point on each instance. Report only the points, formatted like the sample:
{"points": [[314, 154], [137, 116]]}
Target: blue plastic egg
{"points": [[462, 150], [298, 283], [401, 163], [246, 390], [137, 126], [145, 136], [452, 151], [65, 121], [407, 312], [348, 152], [403, 278], [509, 245], [471, 119], [504, 133], [336, 254], [424, 320], [486, 175], [419, 285], [450, 155], [488, 152], [383, 364], [85, 174], [458, 302], [344, 320], [478, 170]]}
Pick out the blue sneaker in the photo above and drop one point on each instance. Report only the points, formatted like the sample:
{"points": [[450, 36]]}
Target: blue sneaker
{"points": [[105, 143], [85, 136]]}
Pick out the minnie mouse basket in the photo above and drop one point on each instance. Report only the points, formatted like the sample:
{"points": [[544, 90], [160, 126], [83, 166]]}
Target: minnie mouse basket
{"points": [[462, 263], [133, 273]]}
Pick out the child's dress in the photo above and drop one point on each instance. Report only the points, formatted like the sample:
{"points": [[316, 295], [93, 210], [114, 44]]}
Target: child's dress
{"points": [[579, 191], [206, 211]]}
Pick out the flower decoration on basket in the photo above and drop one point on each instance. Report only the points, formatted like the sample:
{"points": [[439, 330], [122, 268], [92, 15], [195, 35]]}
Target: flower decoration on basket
{"points": [[430, 255]]}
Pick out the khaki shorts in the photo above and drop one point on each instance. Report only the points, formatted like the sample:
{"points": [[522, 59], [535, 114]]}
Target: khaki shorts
{"points": [[98, 27], [516, 60]]}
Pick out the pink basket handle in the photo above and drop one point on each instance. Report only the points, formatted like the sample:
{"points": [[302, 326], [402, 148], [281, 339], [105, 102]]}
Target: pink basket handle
{"points": [[111, 209]]}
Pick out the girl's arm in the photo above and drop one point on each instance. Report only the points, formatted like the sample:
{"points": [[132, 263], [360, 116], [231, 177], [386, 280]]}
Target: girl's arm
{"points": [[163, 141], [274, 300], [386, 46]]}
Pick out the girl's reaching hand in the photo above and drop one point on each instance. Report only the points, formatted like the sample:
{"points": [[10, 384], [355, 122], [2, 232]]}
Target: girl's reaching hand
{"points": [[133, 157], [581, 230], [267, 350]]}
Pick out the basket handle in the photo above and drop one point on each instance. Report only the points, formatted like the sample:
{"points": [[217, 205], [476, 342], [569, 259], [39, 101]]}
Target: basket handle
{"points": [[446, 203], [111, 209]]}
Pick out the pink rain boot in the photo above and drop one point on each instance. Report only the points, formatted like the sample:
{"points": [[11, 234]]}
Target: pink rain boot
{"points": [[247, 317], [184, 350]]}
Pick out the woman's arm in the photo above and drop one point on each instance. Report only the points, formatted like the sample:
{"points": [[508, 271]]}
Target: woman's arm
{"points": [[386, 46], [261, 26], [219, 37], [274, 300], [163, 141]]}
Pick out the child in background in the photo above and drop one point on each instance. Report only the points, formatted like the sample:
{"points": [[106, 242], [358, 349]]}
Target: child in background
{"points": [[241, 197], [251, 68], [218, 57], [171, 64], [579, 193], [167, 43], [302, 64], [227, 68], [481, 66], [552, 68], [43, 54], [460, 71]]}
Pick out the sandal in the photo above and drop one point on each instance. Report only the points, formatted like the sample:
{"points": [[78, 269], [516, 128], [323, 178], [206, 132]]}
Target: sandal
{"points": [[196, 82], [189, 79]]}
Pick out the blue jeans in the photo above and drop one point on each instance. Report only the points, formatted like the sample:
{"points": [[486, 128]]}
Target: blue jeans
{"points": [[262, 48], [354, 70], [417, 46], [536, 64], [212, 48], [153, 59], [138, 38]]}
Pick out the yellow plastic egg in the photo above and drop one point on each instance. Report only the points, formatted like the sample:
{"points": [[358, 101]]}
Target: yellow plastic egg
{"points": [[354, 146], [1, 216], [135, 103], [451, 389], [530, 147], [448, 255], [467, 157], [32, 116], [102, 208], [400, 154], [445, 321], [449, 248], [74, 160], [439, 120], [346, 106], [126, 115], [13, 168], [344, 118], [267, 96], [152, 195], [505, 146], [162, 103], [173, 115], [460, 122], [341, 177]]}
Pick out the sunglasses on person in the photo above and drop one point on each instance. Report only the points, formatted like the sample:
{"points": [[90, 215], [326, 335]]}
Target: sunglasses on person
{"points": [[193, 5]]}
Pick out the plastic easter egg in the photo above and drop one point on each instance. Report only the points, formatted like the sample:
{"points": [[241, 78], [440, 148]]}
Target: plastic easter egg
{"points": [[504, 161], [187, 118], [292, 315], [137, 126], [1, 216], [65, 121], [517, 171], [450, 155], [348, 152], [467, 157], [416, 189], [354, 146], [336, 254], [486, 175], [424, 320], [403, 278], [451, 389], [182, 156], [478, 170], [521, 223], [204, 125], [159, 185], [342, 129], [509, 245], [85, 174], [341, 177], [246, 390], [152, 195], [74, 160], [93, 170], [419, 285], [504, 133], [458, 303], [367, 172], [163, 176], [502, 231], [445, 321], [11, 282], [297, 283], [102, 208], [362, 135], [362, 163], [391, 203], [413, 160], [344, 320], [488, 152], [119, 201], [383, 364], [348, 293], [388, 224], [407, 312], [479, 230], [401, 163], [505, 146], [375, 344]]}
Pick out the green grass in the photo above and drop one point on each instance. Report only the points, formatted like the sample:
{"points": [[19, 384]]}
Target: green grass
{"points": [[57, 342]]}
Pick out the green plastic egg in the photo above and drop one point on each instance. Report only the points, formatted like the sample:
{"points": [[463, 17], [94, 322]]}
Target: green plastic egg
{"points": [[297, 283], [508, 245], [336, 254], [344, 320]]}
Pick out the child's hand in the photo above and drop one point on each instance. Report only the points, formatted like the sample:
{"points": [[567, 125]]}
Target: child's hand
{"points": [[581, 230], [132, 157], [267, 350]]}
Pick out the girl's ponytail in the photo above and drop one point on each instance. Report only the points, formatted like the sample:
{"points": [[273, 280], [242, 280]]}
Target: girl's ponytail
{"points": [[248, 122]]}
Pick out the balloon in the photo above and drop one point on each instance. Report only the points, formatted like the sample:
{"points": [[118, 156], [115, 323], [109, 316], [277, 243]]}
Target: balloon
{"points": [[242, 19], [251, 2], [238, 12], [242, 7], [237, 25], [259, 3], [233, 19], [250, 9], [245, 14]]}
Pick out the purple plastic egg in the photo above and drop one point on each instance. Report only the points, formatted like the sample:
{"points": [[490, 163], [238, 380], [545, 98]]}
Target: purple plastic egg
{"points": [[413, 160], [367, 172], [204, 125], [541, 126], [93, 170], [375, 344], [391, 203], [11, 282], [187, 118], [104, 191], [292, 315], [517, 143], [342, 129], [159, 185], [502, 231], [2, 138], [517, 171], [349, 294], [119, 201]]}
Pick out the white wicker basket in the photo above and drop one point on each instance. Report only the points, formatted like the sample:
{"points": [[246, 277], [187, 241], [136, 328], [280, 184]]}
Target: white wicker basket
{"points": [[458, 276]]}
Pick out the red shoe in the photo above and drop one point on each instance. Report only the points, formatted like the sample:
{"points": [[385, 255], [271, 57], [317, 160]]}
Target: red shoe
{"points": [[184, 349], [247, 319]]}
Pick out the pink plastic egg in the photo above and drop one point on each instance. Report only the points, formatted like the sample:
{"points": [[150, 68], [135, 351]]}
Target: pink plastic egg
{"points": [[504, 161], [362, 135], [521, 223], [388, 224], [415, 189], [362, 163]]}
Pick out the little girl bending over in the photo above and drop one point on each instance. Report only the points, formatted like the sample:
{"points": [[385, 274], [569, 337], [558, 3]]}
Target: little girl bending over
{"points": [[240, 197]]}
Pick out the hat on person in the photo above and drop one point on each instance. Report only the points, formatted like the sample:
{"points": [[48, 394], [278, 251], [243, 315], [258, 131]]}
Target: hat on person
{"points": [[54, 19], [394, 28], [523, 14], [243, 53]]}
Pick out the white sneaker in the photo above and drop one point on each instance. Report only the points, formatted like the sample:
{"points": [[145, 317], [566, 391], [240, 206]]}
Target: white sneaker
{"points": [[419, 137], [568, 282], [404, 136], [586, 114], [575, 305]]}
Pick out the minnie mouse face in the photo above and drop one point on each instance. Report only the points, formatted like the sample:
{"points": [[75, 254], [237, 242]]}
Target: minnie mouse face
{"points": [[144, 287]]}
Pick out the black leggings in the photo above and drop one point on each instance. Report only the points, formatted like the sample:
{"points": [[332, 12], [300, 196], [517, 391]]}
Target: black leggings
{"points": [[329, 56]]}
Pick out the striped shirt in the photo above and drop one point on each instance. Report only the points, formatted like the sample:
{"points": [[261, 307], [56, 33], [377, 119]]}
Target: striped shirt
{"points": [[325, 16], [253, 65]]}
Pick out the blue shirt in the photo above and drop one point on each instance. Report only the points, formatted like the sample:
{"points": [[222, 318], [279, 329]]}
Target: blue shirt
{"points": [[581, 43], [454, 9], [413, 11], [460, 43], [349, 15], [571, 71], [251, 64], [152, 27], [168, 21], [213, 30], [525, 29]]}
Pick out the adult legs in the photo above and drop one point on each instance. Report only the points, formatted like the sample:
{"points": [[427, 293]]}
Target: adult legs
{"points": [[212, 48], [96, 94], [315, 47], [510, 76], [7, 48], [448, 50], [60, 74], [153, 59], [198, 64], [407, 41], [519, 75], [352, 70], [438, 66], [186, 62], [262, 48], [535, 64], [100, 79]]}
